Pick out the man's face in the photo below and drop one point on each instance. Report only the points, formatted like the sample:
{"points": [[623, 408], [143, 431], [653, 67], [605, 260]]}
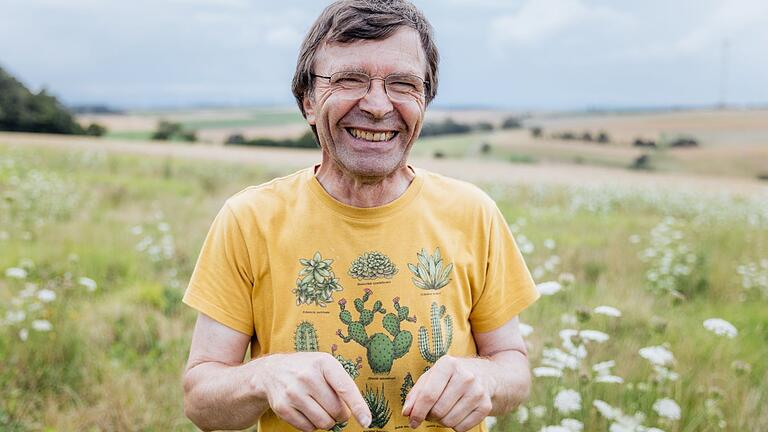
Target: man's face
{"points": [[343, 125]]}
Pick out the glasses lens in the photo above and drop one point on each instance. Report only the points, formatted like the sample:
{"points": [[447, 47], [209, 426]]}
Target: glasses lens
{"points": [[352, 84], [404, 87]]}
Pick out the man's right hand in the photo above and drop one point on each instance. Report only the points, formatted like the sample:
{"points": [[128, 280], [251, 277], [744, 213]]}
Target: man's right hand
{"points": [[310, 390]]}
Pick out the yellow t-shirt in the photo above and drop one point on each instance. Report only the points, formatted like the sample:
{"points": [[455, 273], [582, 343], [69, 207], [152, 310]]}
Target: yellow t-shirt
{"points": [[387, 290]]}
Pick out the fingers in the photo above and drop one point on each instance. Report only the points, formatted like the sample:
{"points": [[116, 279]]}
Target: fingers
{"points": [[293, 416], [474, 418], [346, 389], [424, 394], [457, 385], [329, 400]]}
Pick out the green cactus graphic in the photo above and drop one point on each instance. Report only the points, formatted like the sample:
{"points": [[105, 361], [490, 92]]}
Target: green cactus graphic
{"points": [[379, 406], [406, 387], [305, 337], [316, 282], [440, 346], [372, 265], [352, 367], [381, 350], [428, 272]]}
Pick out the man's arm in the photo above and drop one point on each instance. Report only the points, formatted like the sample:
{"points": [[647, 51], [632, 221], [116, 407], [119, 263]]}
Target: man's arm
{"points": [[309, 390], [459, 392]]}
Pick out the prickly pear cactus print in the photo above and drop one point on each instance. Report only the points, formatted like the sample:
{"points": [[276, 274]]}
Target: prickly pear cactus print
{"points": [[305, 337], [372, 265], [381, 351], [440, 344], [379, 406], [316, 282], [429, 273]]}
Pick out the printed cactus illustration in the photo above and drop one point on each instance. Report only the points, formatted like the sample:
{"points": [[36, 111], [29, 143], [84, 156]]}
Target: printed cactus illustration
{"points": [[381, 351], [406, 387], [352, 367], [316, 282], [440, 345], [428, 272], [372, 265], [379, 406], [305, 338]]}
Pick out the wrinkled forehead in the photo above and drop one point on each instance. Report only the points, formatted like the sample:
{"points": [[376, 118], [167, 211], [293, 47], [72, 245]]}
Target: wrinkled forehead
{"points": [[402, 52]]}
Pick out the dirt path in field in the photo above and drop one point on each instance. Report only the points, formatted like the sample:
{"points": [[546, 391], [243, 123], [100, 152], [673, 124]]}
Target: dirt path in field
{"points": [[473, 170]]}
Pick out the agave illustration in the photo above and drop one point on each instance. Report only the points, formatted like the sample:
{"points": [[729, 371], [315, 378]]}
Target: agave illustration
{"points": [[316, 282], [429, 273], [372, 265], [379, 406], [406, 387]]}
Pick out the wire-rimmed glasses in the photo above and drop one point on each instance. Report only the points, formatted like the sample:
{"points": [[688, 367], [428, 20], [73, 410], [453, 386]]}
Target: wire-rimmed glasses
{"points": [[399, 87]]}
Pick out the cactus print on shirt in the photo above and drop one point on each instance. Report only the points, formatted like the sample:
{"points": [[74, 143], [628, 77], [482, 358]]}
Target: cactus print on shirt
{"points": [[386, 290]]}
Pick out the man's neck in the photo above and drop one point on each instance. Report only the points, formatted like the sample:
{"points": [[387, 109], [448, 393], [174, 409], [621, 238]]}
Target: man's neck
{"points": [[363, 192]]}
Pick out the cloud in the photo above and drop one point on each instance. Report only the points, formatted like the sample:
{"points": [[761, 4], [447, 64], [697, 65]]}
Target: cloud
{"points": [[285, 36], [537, 20]]}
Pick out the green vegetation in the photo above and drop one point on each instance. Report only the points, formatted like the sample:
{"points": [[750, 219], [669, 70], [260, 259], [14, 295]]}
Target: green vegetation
{"points": [[96, 241], [307, 140], [24, 111], [170, 131]]}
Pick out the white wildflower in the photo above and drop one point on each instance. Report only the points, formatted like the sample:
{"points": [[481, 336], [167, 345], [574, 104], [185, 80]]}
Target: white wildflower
{"points": [[607, 310], [136, 230], [555, 428], [549, 288], [664, 374], [522, 414], [29, 290], [567, 401], [604, 368], [88, 283], [611, 379], [634, 239], [15, 273], [721, 327], [42, 325], [163, 227], [667, 408], [572, 425], [490, 422], [558, 358], [13, 317], [46, 295], [549, 244], [525, 329], [606, 410], [566, 278], [593, 335], [539, 411], [23, 334], [657, 355], [568, 319], [547, 372]]}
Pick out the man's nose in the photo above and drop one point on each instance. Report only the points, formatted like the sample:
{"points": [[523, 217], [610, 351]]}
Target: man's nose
{"points": [[376, 102]]}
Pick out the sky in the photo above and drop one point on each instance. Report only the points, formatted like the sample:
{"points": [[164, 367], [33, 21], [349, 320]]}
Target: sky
{"points": [[514, 54]]}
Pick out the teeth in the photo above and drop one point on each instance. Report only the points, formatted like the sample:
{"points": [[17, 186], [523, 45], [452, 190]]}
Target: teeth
{"points": [[372, 136]]}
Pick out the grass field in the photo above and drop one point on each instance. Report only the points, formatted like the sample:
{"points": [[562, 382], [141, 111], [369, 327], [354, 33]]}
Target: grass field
{"points": [[96, 249]]}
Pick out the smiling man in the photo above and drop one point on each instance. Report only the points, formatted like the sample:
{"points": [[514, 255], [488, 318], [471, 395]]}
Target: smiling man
{"points": [[365, 287]]}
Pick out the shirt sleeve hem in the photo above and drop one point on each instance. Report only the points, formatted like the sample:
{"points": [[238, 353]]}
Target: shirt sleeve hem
{"points": [[216, 313], [502, 316]]}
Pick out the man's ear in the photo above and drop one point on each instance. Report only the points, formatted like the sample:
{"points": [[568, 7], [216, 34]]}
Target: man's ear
{"points": [[309, 109]]}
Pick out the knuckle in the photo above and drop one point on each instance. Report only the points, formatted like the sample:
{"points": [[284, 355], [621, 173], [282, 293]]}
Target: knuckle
{"points": [[304, 377], [280, 408]]}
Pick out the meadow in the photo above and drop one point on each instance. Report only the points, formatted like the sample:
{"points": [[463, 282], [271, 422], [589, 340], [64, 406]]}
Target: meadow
{"points": [[96, 249]]}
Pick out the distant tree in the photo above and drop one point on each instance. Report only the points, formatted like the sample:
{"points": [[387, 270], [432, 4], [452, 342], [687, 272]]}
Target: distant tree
{"points": [[586, 136], [95, 129], [642, 162], [602, 137], [639, 142], [536, 132], [235, 139], [511, 123], [483, 126], [24, 111], [172, 131], [446, 127], [684, 142], [485, 148]]}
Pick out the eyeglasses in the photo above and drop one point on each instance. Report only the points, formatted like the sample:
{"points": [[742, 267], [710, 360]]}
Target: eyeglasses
{"points": [[399, 87]]}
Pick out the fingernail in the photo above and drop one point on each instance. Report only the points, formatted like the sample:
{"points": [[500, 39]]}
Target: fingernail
{"points": [[366, 421], [414, 424]]}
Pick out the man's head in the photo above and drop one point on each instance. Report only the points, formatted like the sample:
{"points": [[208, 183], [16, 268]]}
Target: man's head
{"points": [[381, 39]]}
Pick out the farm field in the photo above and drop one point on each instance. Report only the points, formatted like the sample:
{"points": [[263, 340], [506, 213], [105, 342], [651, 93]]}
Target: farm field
{"points": [[98, 238]]}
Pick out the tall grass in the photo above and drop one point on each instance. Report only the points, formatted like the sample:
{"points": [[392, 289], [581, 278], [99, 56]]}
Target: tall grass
{"points": [[114, 238]]}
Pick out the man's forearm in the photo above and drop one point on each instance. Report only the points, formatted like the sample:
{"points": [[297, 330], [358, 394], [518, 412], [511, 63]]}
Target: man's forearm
{"points": [[510, 378], [219, 396]]}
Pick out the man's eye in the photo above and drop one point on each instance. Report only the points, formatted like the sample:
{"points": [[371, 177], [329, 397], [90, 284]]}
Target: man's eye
{"points": [[350, 82], [403, 86]]}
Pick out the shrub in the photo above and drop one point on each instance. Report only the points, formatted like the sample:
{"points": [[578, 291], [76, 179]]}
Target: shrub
{"points": [[511, 123], [536, 132], [95, 129]]}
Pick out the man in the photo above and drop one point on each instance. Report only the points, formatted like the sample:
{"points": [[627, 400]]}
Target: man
{"points": [[366, 288]]}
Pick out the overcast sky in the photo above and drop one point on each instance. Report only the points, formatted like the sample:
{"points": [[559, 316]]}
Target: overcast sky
{"points": [[527, 54]]}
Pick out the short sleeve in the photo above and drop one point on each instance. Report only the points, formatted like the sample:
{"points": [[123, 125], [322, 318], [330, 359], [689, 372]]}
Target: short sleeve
{"points": [[222, 282], [508, 287]]}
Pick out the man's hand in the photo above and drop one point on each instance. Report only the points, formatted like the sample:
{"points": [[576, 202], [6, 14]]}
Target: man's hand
{"points": [[310, 390], [456, 392]]}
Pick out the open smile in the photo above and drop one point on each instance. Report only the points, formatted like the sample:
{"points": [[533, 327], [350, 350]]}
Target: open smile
{"points": [[372, 136]]}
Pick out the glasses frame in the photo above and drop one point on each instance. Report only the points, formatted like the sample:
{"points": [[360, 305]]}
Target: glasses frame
{"points": [[383, 79]]}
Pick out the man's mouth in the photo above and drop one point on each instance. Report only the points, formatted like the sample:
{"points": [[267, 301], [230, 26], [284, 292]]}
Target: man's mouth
{"points": [[370, 135]]}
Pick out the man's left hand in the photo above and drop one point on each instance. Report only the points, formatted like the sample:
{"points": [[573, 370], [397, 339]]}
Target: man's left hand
{"points": [[456, 392]]}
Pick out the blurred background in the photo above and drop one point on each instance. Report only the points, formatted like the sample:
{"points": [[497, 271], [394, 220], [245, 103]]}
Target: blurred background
{"points": [[626, 143]]}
